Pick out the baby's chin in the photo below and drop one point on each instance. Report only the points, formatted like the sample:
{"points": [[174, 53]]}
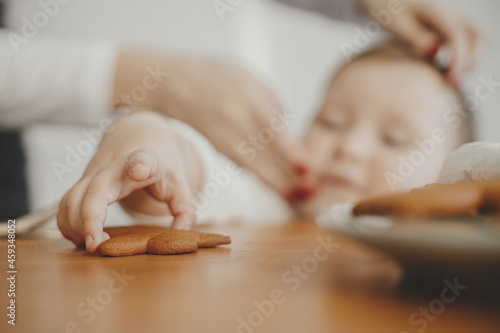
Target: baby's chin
{"points": [[325, 197]]}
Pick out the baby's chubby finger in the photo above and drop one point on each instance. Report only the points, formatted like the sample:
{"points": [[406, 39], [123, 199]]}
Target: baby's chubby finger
{"points": [[63, 222], [106, 188], [145, 168], [141, 164], [94, 212], [181, 203]]}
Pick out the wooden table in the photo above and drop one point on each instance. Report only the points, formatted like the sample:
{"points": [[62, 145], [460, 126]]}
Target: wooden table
{"points": [[287, 278]]}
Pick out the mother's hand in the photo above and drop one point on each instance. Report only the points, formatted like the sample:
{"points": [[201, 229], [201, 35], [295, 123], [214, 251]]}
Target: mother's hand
{"points": [[425, 25]]}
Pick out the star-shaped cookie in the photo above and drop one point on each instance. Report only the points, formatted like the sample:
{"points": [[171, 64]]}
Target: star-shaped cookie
{"points": [[127, 241]]}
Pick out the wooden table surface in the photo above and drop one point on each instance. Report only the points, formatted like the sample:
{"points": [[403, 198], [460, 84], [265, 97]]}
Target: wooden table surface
{"points": [[286, 278]]}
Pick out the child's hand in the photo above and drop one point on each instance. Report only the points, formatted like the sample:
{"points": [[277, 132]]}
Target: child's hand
{"points": [[142, 151]]}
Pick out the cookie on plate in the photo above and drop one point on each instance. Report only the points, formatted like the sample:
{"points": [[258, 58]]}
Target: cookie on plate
{"points": [[436, 200]]}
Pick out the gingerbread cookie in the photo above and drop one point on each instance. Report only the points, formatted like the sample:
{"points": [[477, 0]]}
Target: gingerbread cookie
{"points": [[126, 241], [437, 200]]}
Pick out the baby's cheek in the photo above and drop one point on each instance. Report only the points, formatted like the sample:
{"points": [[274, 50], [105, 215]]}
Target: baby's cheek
{"points": [[410, 169], [379, 170], [392, 171]]}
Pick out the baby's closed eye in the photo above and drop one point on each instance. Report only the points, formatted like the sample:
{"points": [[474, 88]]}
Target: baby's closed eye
{"points": [[397, 138], [334, 120]]}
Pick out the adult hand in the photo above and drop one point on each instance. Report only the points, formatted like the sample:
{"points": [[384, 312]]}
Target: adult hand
{"points": [[427, 25]]}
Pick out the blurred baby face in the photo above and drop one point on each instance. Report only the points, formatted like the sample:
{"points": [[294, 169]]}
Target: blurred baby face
{"points": [[380, 128]]}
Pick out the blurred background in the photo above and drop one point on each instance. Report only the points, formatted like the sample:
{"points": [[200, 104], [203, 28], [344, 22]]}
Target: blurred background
{"points": [[293, 50]]}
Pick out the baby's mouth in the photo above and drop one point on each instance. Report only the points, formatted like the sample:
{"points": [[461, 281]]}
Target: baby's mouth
{"points": [[340, 182]]}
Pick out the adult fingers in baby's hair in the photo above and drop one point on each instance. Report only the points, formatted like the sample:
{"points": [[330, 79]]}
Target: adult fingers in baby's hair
{"points": [[465, 40], [424, 40], [468, 46], [452, 32]]}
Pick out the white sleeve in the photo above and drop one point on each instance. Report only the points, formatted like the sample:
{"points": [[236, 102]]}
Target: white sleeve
{"points": [[46, 80], [345, 10]]}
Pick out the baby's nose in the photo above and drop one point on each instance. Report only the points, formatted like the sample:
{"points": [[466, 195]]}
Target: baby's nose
{"points": [[358, 145]]}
